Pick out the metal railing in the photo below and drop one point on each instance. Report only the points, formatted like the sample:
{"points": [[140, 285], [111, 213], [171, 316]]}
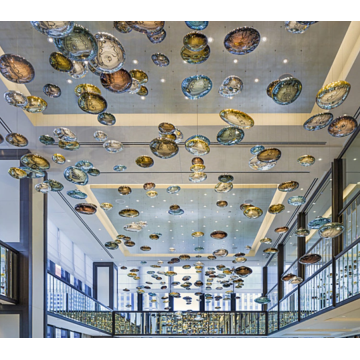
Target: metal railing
{"points": [[8, 273], [252, 323], [66, 301]]}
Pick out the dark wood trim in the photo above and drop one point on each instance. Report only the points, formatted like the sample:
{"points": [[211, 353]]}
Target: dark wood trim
{"points": [[301, 243], [337, 201], [349, 203], [111, 267], [280, 271], [45, 257]]}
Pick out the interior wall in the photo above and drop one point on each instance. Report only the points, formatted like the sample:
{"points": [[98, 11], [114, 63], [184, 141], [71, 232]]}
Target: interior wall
{"points": [[9, 325]]}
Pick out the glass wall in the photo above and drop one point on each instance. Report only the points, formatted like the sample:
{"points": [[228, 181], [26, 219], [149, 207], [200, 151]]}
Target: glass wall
{"points": [[8, 272], [272, 272]]}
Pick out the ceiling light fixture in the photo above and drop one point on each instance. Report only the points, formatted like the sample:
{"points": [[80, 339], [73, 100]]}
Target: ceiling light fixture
{"points": [[256, 80], [162, 80], [285, 61], [210, 40], [50, 40], [264, 38], [69, 81], [235, 61], [135, 61]]}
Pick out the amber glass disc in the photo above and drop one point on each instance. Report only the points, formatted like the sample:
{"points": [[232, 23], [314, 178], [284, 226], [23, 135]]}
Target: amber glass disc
{"points": [[195, 41], [152, 194], [222, 203], [242, 40], [69, 145], [253, 212], [149, 186], [218, 234], [35, 104], [281, 230], [79, 70], [129, 213], [139, 75], [276, 209], [237, 118], [197, 160], [333, 95], [266, 240], [288, 277], [143, 91], [106, 206], [117, 82], [124, 190], [342, 126], [145, 248], [269, 155], [35, 162], [310, 259], [146, 27], [86, 208], [60, 62], [271, 251], [54, 29], [166, 128], [197, 234], [223, 187], [58, 159], [122, 26], [243, 271], [86, 88], [306, 160], [17, 69], [16, 139], [92, 103], [195, 57], [17, 173], [220, 252], [144, 161], [286, 91], [129, 243], [111, 245], [288, 186]]}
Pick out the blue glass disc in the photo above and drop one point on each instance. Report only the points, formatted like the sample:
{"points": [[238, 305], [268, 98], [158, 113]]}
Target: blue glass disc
{"points": [[197, 25], [318, 222], [196, 87], [230, 136], [93, 172], [77, 194], [120, 168], [84, 165], [331, 230], [76, 175], [297, 200], [47, 140], [257, 149], [318, 121], [173, 189]]}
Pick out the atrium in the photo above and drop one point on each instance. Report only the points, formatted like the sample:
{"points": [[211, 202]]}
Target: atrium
{"points": [[179, 179]]}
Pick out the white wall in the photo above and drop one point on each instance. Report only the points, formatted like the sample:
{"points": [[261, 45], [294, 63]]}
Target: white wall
{"points": [[9, 203], [9, 326]]}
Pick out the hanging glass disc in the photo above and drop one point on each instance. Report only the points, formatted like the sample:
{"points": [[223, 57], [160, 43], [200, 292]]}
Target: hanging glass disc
{"points": [[237, 118], [173, 189], [60, 62], [113, 146], [118, 82], [58, 159], [333, 95], [35, 104], [269, 155], [197, 25], [17, 69], [69, 145], [242, 40], [86, 88], [52, 90], [197, 177], [77, 194], [144, 161], [223, 187], [76, 175], [92, 103], [288, 186], [195, 41], [122, 26], [17, 173], [35, 162], [79, 70], [119, 168], [295, 28], [255, 164], [257, 149], [47, 140], [230, 136], [106, 119], [164, 148], [306, 160], [86, 208], [160, 59], [15, 98], [64, 134], [296, 200], [331, 230], [197, 145], [110, 56], [342, 126], [146, 27], [158, 37], [79, 45], [195, 57], [100, 136], [54, 29], [197, 86]]}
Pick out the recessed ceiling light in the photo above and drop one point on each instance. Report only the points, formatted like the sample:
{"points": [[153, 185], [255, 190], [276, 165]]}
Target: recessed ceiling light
{"points": [[137, 200], [152, 205], [320, 159], [143, 98], [256, 80], [100, 229], [285, 61], [186, 98], [68, 160], [236, 61], [210, 39], [355, 159], [50, 40], [162, 80], [301, 189], [135, 61], [264, 38], [69, 81], [164, 200]]}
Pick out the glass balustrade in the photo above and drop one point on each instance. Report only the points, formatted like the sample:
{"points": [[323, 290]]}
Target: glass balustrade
{"points": [[190, 323], [289, 309], [272, 319], [323, 248], [64, 300]]}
